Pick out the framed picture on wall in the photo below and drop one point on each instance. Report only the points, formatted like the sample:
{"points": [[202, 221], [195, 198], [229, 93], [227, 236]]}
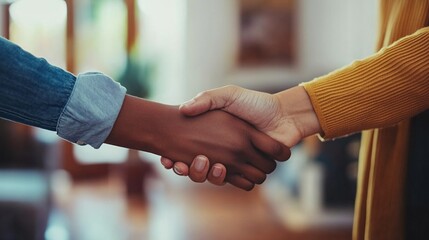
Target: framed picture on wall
{"points": [[267, 33]]}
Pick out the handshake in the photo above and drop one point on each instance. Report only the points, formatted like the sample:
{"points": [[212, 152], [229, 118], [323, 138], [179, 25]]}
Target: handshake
{"points": [[229, 134]]}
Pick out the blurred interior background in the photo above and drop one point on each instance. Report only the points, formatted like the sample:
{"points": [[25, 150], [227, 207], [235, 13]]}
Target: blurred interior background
{"points": [[168, 51]]}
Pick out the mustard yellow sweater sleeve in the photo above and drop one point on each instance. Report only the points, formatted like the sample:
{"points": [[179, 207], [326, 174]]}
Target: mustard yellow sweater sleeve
{"points": [[375, 92]]}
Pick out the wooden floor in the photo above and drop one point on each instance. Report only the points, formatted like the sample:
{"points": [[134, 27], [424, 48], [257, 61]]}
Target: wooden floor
{"points": [[99, 210], [226, 213]]}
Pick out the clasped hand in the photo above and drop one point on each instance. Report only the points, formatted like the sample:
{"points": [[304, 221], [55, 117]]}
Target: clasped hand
{"points": [[287, 117]]}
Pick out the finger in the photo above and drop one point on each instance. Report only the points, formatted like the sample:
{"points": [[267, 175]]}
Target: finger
{"points": [[209, 100], [262, 162], [270, 147], [167, 163], [217, 174], [252, 174], [181, 169], [240, 182], [199, 169]]}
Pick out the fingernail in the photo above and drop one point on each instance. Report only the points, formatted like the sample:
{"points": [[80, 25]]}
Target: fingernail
{"points": [[189, 103], [200, 163], [177, 170], [163, 162], [217, 171]]}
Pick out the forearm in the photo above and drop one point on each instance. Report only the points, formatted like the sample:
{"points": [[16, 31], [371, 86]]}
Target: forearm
{"points": [[296, 109]]}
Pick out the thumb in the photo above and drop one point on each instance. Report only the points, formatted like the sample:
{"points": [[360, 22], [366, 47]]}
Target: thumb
{"points": [[218, 98]]}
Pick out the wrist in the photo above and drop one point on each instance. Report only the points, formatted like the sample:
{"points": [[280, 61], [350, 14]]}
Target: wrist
{"points": [[296, 108], [137, 125]]}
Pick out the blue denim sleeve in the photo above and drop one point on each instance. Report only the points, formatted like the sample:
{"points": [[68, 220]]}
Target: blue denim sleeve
{"points": [[91, 110], [33, 92]]}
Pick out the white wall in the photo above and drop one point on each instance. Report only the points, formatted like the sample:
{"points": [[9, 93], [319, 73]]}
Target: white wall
{"points": [[335, 32], [196, 44], [331, 34], [211, 43], [163, 24]]}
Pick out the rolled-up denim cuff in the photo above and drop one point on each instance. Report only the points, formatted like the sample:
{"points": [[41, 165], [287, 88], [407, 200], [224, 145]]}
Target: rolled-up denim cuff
{"points": [[91, 110]]}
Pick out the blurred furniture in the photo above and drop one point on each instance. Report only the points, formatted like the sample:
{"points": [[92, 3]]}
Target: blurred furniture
{"points": [[316, 187], [24, 185], [24, 204]]}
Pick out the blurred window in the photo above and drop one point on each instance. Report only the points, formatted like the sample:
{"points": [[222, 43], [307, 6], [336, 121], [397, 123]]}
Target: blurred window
{"points": [[39, 27], [100, 27]]}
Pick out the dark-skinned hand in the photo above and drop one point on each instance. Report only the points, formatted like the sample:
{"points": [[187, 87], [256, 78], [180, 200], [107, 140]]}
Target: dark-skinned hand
{"points": [[247, 153]]}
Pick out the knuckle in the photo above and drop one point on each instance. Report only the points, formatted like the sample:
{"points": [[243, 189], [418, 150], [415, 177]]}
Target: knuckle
{"points": [[233, 91], [261, 179], [271, 167], [232, 88], [203, 94], [249, 187]]}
